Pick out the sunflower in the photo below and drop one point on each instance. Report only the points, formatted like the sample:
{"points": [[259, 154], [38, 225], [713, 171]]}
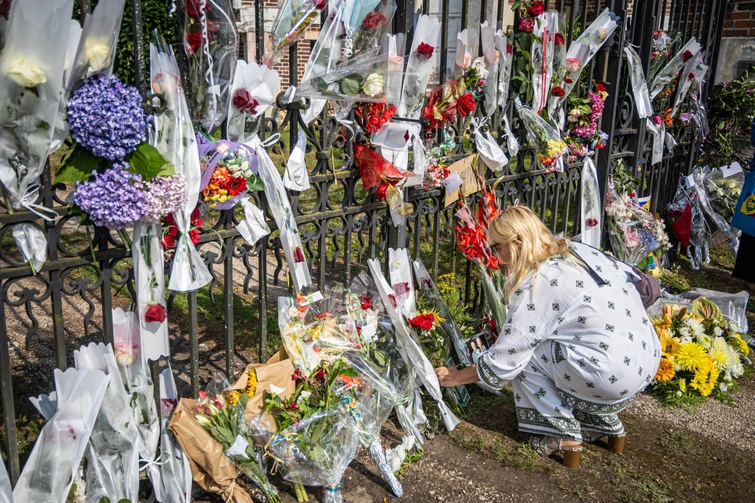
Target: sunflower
{"points": [[691, 356], [232, 396], [251, 383], [666, 371]]}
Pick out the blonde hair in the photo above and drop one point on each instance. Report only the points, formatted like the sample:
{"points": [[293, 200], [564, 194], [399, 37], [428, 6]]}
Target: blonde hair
{"points": [[538, 243]]}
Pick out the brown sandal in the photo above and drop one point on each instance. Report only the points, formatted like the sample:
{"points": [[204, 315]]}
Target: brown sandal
{"points": [[615, 442], [548, 446]]}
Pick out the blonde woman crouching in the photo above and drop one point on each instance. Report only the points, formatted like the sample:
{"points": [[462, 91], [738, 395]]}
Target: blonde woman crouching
{"points": [[577, 344]]}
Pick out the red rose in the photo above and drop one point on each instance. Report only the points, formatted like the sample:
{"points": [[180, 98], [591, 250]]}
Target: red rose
{"points": [[194, 40], [601, 87], [559, 39], [155, 312], [691, 76], [320, 4], [168, 241], [373, 21], [558, 91], [657, 119], [568, 80], [392, 299], [536, 8], [243, 100], [423, 322], [509, 49], [526, 24], [687, 55], [591, 222], [194, 236], [298, 255], [193, 8], [365, 301], [425, 51], [466, 104], [401, 289], [600, 145], [381, 191]]}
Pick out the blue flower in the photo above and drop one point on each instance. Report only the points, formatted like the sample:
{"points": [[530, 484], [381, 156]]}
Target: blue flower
{"points": [[114, 199]]}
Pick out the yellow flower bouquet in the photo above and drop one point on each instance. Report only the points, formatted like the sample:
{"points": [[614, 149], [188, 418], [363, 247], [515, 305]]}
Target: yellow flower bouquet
{"points": [[702, 354]]}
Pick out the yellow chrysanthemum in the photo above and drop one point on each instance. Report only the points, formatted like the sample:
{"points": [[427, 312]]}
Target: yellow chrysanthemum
{"points": [[741, 345], [691, 356], [705, 379], [251, 383], [666, 371], [720, 358]]}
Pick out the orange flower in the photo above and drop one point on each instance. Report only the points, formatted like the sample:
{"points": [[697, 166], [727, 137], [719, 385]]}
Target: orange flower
{"points": [[666, 371]]}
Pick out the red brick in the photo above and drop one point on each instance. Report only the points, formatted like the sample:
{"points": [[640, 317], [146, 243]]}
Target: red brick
{"points": [[749, 6], [740, 15], [736, 33], [744, 24]]}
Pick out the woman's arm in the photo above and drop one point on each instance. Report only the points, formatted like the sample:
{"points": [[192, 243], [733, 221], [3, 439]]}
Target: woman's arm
{"points": [[450, 377]]}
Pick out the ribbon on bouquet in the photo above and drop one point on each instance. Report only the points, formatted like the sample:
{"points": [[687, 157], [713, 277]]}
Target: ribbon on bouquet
{"points": [[491, 153], [144, 464]]}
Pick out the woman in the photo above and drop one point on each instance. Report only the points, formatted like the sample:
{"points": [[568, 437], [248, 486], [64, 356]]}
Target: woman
{"points": [[577, 344], [743, 267]]}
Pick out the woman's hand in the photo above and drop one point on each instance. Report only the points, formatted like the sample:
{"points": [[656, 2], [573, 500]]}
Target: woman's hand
{"points": [[447, 376]]}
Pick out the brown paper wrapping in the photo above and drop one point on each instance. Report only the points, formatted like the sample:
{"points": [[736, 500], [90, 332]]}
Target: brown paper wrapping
{"points": [[210, 467], [470, 181], [276, 371]]}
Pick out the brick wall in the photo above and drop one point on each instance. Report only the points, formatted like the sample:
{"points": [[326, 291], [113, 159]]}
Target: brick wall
{"points": [[741, 19]]}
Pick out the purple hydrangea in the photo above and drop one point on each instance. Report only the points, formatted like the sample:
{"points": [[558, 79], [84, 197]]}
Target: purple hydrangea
{"points": [[114, 199], [106, 117], [167, 194]]}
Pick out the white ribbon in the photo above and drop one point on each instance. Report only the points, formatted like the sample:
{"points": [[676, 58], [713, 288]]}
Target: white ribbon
{"points": [[46, 214], [144, 464]]}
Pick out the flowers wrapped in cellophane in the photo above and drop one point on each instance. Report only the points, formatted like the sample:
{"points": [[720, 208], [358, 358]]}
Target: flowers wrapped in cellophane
{"points": [[71, 413], [634, 232], [31, 66], [701, 353], [99, 39], [692, 74], [542, 57], [419, 67], [112, 468], [718, 192], [293, 20], [211, 43], [639, 83], [174, 138], [360, 80], [668, 73], [550, 147], [446, 102], [687, 222], [252, 93], [580, 53], [582, 133], [662, 51]]}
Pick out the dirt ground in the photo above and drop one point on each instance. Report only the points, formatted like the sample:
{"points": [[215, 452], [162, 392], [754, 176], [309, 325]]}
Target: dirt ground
{"points": [[688, 455]]}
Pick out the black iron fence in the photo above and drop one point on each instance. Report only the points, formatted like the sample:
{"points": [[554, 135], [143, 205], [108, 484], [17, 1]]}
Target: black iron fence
{"points": [[221, 327]]}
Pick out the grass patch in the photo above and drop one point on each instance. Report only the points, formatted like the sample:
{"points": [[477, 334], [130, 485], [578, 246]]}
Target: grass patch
{"points": [[675, 441], [501, 448]]}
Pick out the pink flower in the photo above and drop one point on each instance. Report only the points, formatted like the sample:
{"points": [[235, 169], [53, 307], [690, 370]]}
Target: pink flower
{"points": [[573, 64], [467, 59]]}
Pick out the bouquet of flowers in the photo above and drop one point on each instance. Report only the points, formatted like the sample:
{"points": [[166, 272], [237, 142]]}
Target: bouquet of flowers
{"points": [[211, 44], [639, 84], [580, 53], [663, 46], [545, 36], [701, 356], [446, 102], [71, 413], [420, 64], [221, 411], [582, 123], [718, 195], [99, 39], [293, 20], [252, 93], [550, 147], [670, 72], [467, 44], [687, 222], [229, 171], [361, 80], [437, 174], [633, 231]]}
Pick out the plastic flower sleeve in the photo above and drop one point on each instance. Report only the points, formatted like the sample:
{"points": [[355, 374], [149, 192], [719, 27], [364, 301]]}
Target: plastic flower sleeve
{"points": [[467, 44], [639, 84], [6, 492], [690, 49], [400, 271], [550, 147], [693, 70], [284, 217], [592, 218], [99, 40], [62, 128], [488, 148], [175, 140], [55, 458], [733, 305], [112, 467], [293, 20], [251, 95], [659, 132], [361, 80], [492, 55], [505, 59], [253, 227], [31, 66], [419, 67], [541, 53], [368, 22], [715, 192], [32, 243], [296, 176], [210, 41], [150, 289], [411, 352], [581, 52]]}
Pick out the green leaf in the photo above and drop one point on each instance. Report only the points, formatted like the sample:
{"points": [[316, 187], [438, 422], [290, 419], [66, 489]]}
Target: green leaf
{"points": [[254, 182], [149, 163], [77, 165], [320, 84], [351, 84], [516, 5]]}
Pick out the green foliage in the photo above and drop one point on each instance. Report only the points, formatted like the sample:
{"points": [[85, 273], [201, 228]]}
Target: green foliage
{"points": [[147, 161], [731, 109], [77, 165]]}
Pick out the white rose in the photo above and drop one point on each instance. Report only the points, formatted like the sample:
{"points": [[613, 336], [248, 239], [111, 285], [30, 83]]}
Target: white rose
{"points": [[717, 331], [276, 390], [25, 73], [98, 56], [373, 84]]}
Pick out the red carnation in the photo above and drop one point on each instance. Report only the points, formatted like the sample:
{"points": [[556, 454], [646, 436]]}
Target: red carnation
{"points": [[591, 222], [365, 301], [320, 4], [242, 99], [155, 312], [536, 8], [601, 87], [466, 104], [425, 51], [687, 55], [558, 91], [373, 21], [423, 322], [194, 40], [298, 255], [526, 24], [691, 76], [559, 39]]}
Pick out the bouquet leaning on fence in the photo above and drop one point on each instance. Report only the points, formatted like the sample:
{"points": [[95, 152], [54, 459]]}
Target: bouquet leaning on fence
{"points": [[550, 147]]}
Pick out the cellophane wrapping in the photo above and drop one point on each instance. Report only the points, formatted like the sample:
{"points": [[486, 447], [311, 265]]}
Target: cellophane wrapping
{"points": [[293, 20], [639, 84], [419, 67], [668, 73], [550, 147], [98, 42], [718, 196]]}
